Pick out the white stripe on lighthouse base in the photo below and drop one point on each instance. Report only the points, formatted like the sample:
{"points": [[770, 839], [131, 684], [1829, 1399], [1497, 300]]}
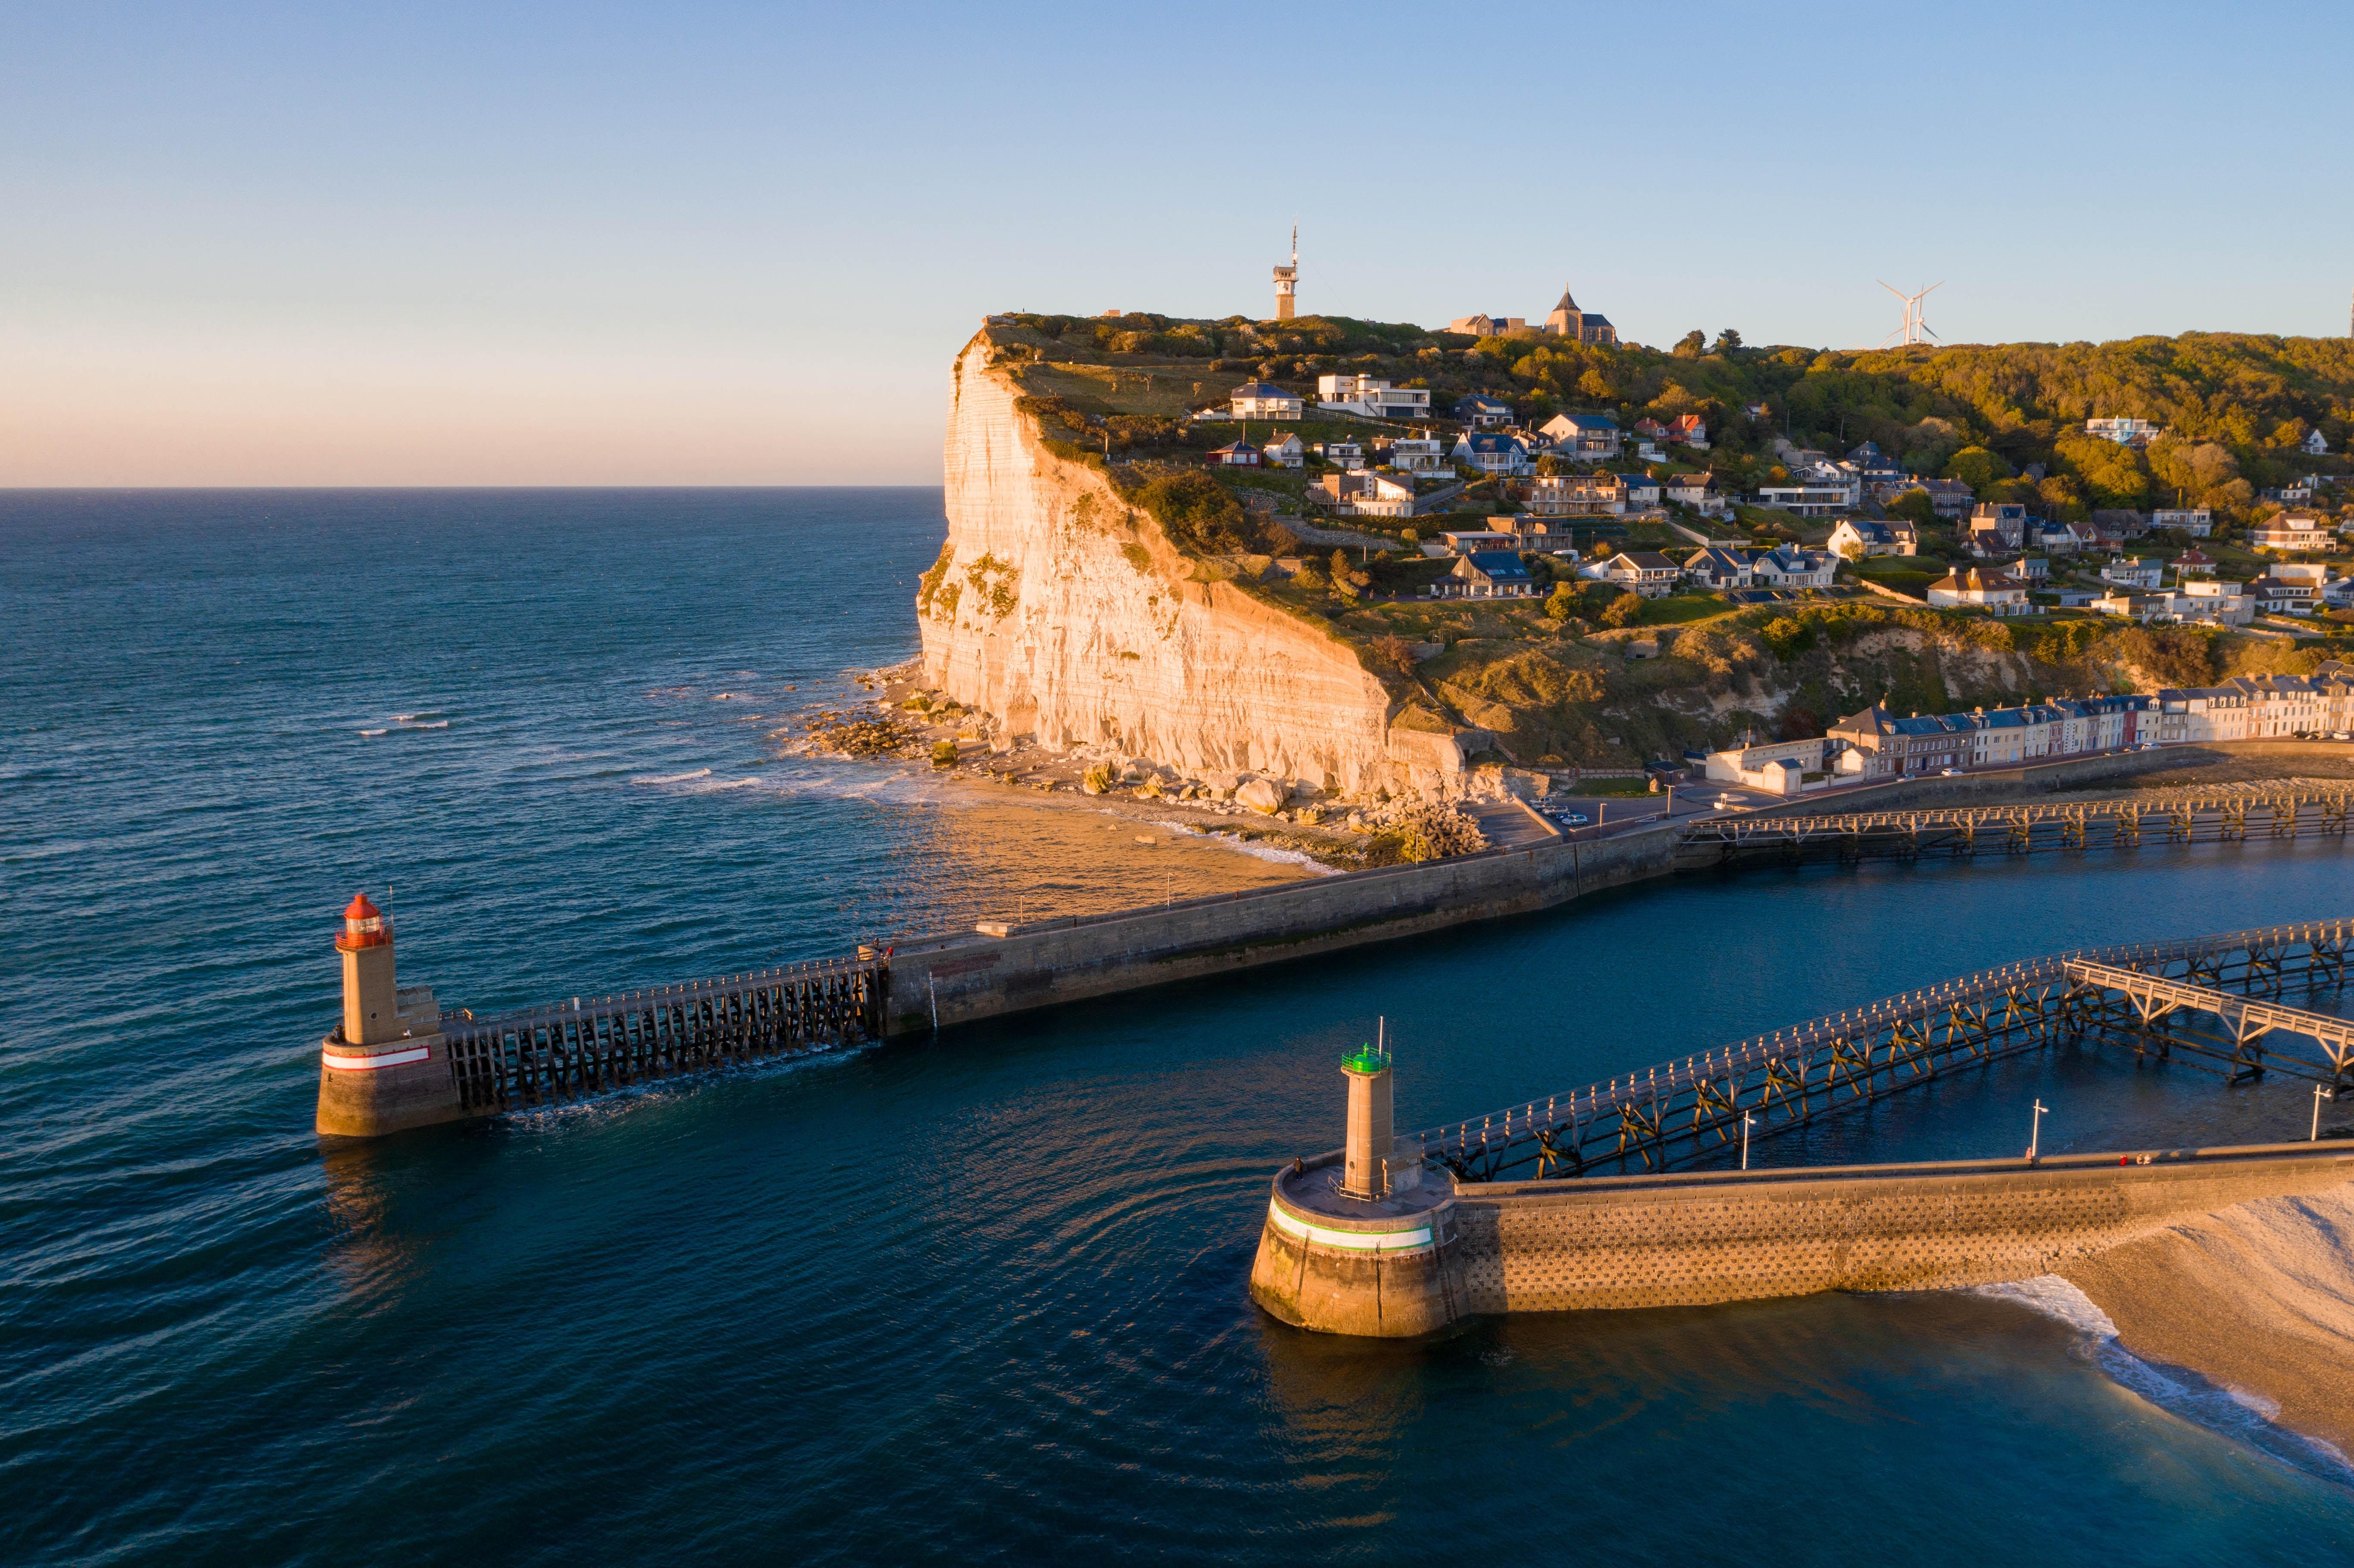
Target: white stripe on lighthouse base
{"points": [[1356, 1241], [369, 1063]]}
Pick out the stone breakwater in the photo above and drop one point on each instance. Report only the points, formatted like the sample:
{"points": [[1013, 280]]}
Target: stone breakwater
{"points": [[1068, 616]]}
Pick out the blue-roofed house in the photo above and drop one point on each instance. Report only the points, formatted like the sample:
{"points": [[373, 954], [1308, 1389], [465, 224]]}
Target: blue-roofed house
{"points": [[1492, 453], [1588, 437], [1482, 412], [1719, 569], [1264, 401], [1486, 573]]}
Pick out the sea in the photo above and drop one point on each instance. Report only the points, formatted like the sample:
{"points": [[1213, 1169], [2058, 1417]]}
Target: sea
{"points": [[971, 1297]]}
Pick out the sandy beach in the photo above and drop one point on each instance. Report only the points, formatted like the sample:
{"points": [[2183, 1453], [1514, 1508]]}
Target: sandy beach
{"points": [[2258, 1299]]}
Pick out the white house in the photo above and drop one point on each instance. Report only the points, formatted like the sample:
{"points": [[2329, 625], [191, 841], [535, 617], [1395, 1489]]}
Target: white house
{"points": [[2124, 431], [1285, 451], [1642, 490], [1364, 495], [1646, 572], [1491, 454], [1697, 491], [1238, 454], [1589, 437], [1416, 454], [1371, 398], [2135, 572], [2196, 521], [1779, 766], [1690, 430], [1790, 567], [1811, 497], [2290, 531], [1264, 401], [1980, 589], [1343, 454], [1858, 536]]}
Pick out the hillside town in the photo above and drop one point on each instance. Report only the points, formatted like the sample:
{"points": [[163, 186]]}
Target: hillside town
{"points": [[1638, 508]]}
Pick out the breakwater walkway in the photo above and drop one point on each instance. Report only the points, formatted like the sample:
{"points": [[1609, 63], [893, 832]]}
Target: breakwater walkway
{"points": [[417, 1065], [1571, 1202], [1963, 832]]}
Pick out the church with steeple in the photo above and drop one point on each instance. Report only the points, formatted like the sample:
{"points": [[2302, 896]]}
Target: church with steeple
{"points": [[1583, 326]]}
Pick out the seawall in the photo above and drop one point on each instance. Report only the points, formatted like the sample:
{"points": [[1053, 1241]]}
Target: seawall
{"points": [[1675, 1240], [958, 977]]}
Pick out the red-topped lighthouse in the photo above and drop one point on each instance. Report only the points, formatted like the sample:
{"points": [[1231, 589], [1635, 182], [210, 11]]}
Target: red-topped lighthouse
{"points": [[371, 1003], [385, 1067]]}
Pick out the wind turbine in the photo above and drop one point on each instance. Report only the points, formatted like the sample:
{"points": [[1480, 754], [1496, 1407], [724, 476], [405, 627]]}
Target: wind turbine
{"points": [[1914, 326]]}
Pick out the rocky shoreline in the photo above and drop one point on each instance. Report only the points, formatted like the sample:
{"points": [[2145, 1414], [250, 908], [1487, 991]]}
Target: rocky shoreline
{"points": [[902, 721]]}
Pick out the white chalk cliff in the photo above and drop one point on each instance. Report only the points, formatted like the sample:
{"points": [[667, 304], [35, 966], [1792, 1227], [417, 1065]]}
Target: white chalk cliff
{"points": [[1067, 615]]}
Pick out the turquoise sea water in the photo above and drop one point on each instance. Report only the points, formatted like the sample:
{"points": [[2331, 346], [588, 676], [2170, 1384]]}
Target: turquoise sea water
{"points": [[973, 1297]]}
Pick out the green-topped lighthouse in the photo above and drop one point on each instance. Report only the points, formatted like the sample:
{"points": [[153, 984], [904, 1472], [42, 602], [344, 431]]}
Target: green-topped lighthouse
{"points": [[1372, 1124]]}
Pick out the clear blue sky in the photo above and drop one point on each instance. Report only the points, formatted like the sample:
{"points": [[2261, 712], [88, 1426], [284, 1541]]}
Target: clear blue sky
{"points": [[739, 244]]}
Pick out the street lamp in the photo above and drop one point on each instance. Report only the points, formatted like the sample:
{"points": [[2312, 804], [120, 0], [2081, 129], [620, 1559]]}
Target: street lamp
{"points": [[1745, 1119], [2035, 1133]]}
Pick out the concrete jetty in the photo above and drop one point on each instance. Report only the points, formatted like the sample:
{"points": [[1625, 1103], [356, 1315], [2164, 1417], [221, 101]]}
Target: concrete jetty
{"points": [[412, 1063], [1395, 1237]]}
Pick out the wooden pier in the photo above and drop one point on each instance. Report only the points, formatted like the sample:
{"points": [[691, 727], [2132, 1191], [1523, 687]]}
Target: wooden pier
{"points": [[552, 1055], [1963, 832], [2146, 995]]}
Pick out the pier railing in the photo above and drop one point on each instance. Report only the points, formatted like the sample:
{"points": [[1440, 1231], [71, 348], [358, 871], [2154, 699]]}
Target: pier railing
{"points": [[1684, 1111], [1966, 831], [550, 1055]]}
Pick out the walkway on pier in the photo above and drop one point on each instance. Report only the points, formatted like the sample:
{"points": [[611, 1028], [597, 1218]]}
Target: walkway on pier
{"points": [[2139, 995]]}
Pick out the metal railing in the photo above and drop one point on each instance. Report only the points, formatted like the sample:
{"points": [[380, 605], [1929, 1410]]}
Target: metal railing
{"points": [[1682, 1111]]}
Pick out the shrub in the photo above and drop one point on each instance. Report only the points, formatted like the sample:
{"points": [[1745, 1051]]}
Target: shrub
{"points": [[944, 753], [1196, 511]]}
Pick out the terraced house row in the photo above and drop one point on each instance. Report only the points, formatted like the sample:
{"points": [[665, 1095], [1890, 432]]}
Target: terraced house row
{"points": [[1876, 744]]}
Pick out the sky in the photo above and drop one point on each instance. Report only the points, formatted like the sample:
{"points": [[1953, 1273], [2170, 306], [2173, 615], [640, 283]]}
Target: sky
{"points": [[333, 244]]}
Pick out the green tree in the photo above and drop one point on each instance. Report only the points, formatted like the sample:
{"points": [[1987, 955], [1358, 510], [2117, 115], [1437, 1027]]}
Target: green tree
{"points": [[1691, 345], [1914, 507], [1977, 467], [1624, 610], [1726, 339], [1196, 511], [1563, 602]]}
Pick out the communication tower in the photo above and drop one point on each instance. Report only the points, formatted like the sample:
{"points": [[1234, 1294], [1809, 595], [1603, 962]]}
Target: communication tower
{"points": [[1287, 282]]}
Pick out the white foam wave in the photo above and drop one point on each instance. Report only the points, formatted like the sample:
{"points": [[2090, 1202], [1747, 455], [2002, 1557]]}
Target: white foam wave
{"points": [[419, 714], [372, 734], [437, 723], [2237, 1413], [673, 778], [1257, 851]]}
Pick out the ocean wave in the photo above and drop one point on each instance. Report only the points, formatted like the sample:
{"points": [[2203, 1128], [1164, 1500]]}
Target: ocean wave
{"points": [[1256, 851], [419, 714], [437, 723], [2236, 1413], [673, 778], [372, 734]]}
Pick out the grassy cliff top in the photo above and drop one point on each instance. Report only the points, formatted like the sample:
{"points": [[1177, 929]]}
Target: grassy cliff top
{"points": [[1550, 675]]}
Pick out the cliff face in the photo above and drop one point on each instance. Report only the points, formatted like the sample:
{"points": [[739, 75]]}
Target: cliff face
{"points": [[1067, 615]]}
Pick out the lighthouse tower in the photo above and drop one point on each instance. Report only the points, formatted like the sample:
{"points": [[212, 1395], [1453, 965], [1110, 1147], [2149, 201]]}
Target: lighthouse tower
{"points": [[387, 1067], [1365, 1158], [1287, 282], [371, 1003]]}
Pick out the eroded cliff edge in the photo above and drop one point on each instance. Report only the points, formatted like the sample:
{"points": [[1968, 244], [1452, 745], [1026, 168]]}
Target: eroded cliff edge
{"points": [[1069, 615]]}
